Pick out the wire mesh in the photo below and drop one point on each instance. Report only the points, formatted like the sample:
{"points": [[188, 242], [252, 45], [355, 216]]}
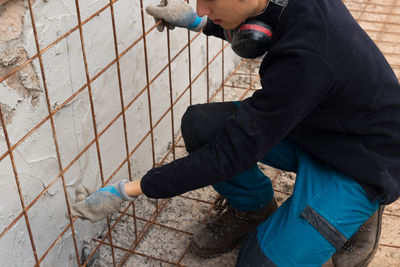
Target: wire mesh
{"points": [[381, 19]]}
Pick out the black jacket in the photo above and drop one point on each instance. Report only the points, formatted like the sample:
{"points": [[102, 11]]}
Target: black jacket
{"points": [[327, 86]]}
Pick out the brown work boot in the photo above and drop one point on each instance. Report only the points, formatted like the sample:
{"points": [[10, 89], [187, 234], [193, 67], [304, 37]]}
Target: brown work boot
{"points": [[227, 229], [359, 250]]}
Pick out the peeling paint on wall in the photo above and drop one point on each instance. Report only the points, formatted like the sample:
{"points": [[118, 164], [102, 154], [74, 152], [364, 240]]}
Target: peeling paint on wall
{"points": [[12, 53], [8, 113]]}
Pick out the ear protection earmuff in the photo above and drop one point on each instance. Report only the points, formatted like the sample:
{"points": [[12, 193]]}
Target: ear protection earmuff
{"points": [[253, 38]]}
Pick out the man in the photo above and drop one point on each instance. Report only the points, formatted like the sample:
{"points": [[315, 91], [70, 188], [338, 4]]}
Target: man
{"points": [[328, 109]]}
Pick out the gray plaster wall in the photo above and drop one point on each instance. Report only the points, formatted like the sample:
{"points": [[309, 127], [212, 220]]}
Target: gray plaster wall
{"points": [[24, 105]]}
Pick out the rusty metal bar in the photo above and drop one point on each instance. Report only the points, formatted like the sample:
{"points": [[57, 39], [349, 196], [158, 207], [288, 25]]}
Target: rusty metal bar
{"points": [[246, 74], [89, 87], [223, 71], [190, 69], [148, 82], [46, 91], [121, 94], [250, 71], [208, 69], [162, 225], [199, 200], [171, 97], [21, 197], [146, 61], [238, 87]]}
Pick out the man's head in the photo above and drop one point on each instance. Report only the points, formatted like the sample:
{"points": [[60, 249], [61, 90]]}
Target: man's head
{"points": [[230, 13]]}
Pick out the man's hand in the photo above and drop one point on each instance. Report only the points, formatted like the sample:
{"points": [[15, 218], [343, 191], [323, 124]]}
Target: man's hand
{"points": [[101, 203], [176, 13]]}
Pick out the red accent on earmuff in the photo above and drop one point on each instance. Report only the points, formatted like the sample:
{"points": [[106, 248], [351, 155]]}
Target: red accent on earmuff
{"points": [[256, 28]]}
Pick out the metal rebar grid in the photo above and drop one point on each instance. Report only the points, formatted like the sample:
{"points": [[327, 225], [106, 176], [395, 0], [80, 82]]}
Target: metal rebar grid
{"points": [[98, 133], [381, 19]]}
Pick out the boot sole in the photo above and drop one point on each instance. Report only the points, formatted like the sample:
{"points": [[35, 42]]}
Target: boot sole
{"points": [[212, 253]]}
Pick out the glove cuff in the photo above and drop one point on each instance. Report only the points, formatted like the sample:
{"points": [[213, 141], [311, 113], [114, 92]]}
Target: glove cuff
{"points": [[121, 190], [198, 24]]}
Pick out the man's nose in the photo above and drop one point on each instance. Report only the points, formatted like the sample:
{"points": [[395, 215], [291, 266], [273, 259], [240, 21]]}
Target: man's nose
{"points": [[202, 8]]}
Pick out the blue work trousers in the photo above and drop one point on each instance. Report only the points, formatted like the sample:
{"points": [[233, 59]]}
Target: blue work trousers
{"points": [[326, 208]]}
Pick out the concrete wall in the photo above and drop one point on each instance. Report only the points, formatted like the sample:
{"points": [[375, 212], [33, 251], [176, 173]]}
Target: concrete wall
{"points": [[24, 105]]}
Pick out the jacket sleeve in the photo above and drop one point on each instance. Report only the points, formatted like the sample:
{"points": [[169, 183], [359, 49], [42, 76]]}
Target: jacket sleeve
{"points": [[293, 83]]}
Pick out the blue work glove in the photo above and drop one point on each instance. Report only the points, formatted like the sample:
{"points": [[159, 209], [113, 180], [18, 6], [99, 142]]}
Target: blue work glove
{"points": [[176, 13], [101, 203]]}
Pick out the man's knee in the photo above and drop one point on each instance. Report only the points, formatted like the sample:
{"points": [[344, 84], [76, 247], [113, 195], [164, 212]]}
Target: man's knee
{"points": [[202, 122], [189, 124], [188, 120]]}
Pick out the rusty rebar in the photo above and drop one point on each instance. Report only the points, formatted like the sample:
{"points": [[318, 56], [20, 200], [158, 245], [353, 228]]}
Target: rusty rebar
{"points": [[17, 181], [171, 95], [53, 128]]}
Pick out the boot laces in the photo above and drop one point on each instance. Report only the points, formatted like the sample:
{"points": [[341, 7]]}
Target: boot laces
{"points": [[364, 228], [350, 244], [228, 217]]}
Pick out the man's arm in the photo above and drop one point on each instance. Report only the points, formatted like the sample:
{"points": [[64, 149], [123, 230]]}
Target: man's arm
{"points": [[294, 82], [133, 188]]}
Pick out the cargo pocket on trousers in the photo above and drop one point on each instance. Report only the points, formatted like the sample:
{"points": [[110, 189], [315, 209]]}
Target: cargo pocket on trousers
{"points": [[324, 227]]}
